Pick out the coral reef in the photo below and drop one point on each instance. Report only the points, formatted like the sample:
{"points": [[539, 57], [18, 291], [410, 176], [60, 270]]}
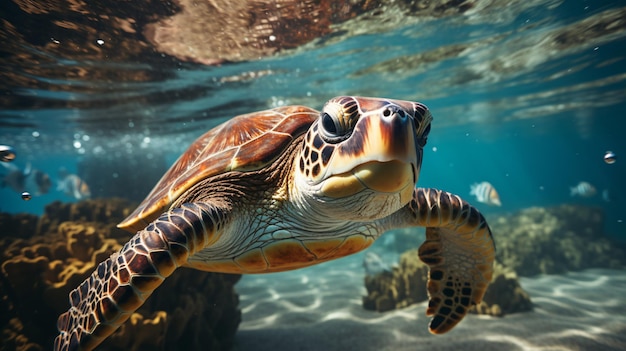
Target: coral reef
{"points": [[66, 244], [504, 295], [532, 241], [403, 286], [21, 225], [406, 285], [107, 213], [555, 240]]}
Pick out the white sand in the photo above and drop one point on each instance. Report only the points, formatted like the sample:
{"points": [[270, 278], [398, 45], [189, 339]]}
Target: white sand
{"points": [[319, 308]]}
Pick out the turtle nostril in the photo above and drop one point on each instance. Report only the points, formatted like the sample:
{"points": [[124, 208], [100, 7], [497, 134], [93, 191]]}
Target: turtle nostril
{"points": [[390, 111]]}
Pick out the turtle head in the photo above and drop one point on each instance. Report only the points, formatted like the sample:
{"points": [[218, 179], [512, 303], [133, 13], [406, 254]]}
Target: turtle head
{"points": [[364, 154]]}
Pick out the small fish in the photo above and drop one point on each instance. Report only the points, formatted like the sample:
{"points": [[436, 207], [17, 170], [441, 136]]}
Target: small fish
{"points": [[610, 157], [25, 180], [374, 265], [73, 186], [485, 193], [582, 189]]}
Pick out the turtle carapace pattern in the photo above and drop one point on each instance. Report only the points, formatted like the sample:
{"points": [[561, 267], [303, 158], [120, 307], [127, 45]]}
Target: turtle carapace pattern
{"points": [[283, 189]]}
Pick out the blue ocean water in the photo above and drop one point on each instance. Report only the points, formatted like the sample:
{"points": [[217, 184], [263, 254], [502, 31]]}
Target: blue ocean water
{"points": [[528, 96]]}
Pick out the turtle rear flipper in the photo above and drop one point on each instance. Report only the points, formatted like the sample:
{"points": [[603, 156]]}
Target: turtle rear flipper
{"points": [[459, 251], [123, 282]]}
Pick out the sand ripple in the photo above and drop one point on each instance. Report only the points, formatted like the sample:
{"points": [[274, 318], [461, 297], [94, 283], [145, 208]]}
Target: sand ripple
{"points": [[319, 308]]}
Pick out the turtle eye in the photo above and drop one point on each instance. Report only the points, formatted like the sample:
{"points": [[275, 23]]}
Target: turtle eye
{"points": [[332, 131], [328, 123]]}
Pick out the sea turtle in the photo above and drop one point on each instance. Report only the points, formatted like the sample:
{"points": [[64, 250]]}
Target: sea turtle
{"points": [[283, 189]]}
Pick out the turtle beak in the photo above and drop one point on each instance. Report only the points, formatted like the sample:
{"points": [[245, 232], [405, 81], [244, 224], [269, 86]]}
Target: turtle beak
{"points": [[385, 144], [382, 137]]}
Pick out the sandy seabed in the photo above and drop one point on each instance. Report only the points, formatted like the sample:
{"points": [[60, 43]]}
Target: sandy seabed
{"points": [[319, 308]]}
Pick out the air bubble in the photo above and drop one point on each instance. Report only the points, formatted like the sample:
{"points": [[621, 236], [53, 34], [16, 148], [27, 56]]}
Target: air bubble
{"points": [[7, 153], [26, 196], [610, 157]]}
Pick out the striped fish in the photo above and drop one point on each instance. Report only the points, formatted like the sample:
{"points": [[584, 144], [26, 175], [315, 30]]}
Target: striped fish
{"points": [[74, 187], [28, 179], [582, 189], [485, 193]]}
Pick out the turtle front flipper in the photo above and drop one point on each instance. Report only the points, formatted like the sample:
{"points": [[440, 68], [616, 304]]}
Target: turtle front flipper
{"points": [[123, 282], [459, 250]]}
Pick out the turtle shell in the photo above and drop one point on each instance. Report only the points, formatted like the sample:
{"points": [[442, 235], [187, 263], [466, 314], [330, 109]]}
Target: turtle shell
{"points": [[244, 143]]}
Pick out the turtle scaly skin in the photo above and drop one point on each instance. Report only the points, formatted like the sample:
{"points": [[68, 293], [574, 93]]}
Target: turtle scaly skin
{"points": [[288, 188], [131, 275], [459, 251]]}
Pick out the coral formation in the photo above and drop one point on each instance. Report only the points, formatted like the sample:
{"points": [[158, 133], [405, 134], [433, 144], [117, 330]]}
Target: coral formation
{"points": [[532, 241], [555, 240], [66, 244], [504, 295], [403, 286], [406, 285], [21, 225]]}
